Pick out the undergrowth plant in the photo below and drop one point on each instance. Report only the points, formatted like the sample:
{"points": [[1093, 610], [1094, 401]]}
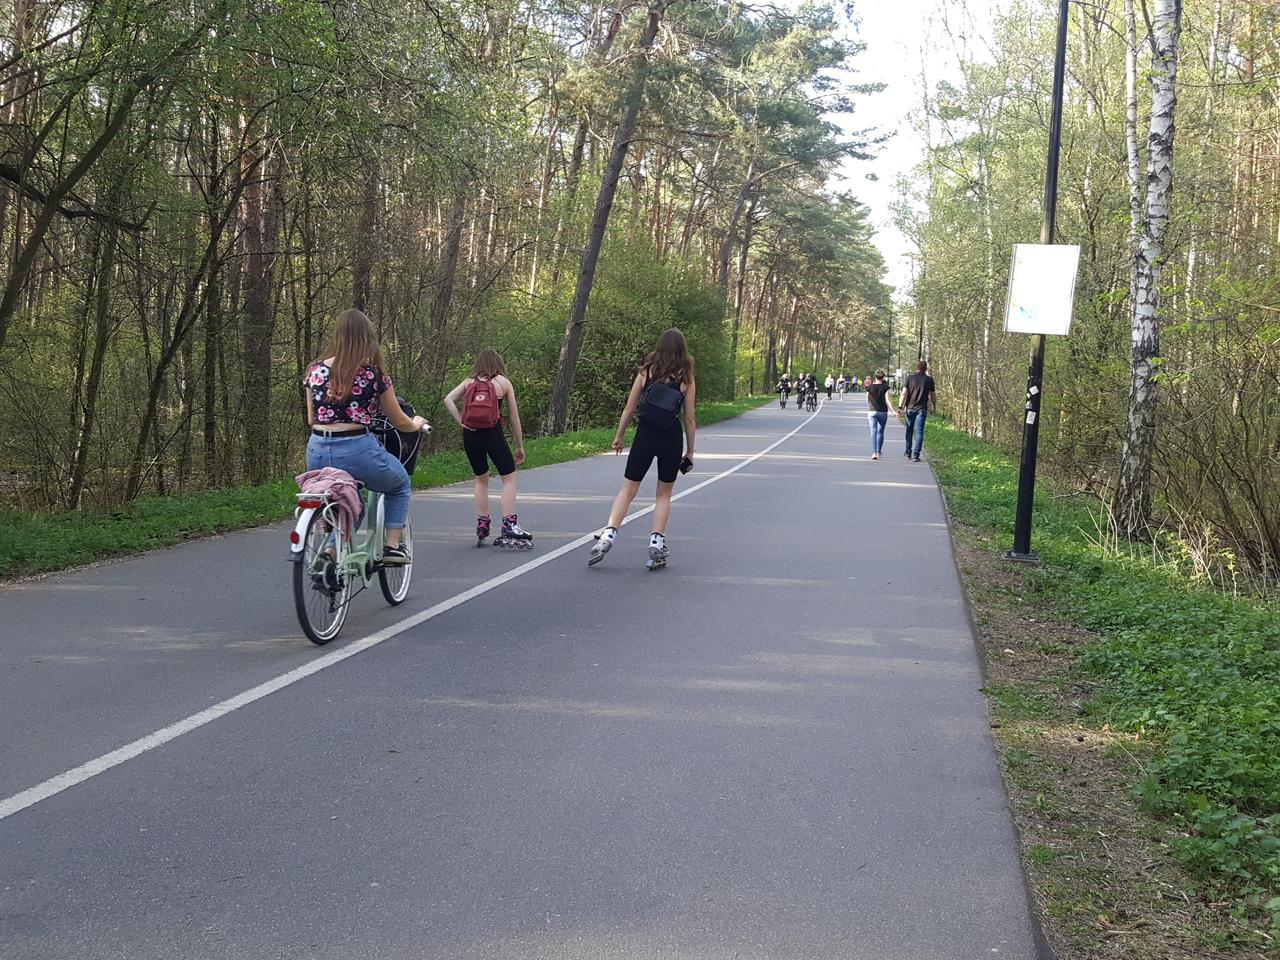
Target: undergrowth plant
{"points": [[1183, 662]]}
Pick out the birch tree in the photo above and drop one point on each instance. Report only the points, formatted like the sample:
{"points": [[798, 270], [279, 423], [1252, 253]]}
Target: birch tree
{"points": [[1132, 505]]}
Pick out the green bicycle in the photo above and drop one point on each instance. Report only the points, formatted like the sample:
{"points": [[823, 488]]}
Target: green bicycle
{"points": [[331, 568]]}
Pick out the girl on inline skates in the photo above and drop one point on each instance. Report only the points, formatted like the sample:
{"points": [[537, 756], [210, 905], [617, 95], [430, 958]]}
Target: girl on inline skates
{"points": [[482, 394], [662, 393]]}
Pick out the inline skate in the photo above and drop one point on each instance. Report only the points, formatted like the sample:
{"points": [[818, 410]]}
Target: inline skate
{"points": [[512, 536]]}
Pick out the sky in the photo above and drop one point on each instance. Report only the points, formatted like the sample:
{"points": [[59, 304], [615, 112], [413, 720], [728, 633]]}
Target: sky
{"points": [[895, 32]]}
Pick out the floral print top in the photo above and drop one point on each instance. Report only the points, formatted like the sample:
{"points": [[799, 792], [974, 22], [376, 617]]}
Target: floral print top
{"points": [[361, 406]]}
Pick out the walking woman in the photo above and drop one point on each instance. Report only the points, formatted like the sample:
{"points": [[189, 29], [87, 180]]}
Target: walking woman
{"points": [[345, 391], [483, 394], [661, 395], [880, 406]]}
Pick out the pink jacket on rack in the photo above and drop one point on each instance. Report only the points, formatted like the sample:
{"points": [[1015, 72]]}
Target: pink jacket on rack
{"points": [[340, 486]]}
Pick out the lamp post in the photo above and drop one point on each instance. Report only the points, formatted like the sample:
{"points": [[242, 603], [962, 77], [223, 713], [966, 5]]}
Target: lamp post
{"points": [[1035, 374]]}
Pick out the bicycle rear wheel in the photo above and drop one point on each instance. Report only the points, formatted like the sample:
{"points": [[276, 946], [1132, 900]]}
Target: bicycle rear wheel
{"points": [[321, 588], [394, 580]]}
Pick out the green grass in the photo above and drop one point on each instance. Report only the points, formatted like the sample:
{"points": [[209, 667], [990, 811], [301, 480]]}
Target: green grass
{"points": [[1196, 671], [42, 543]]}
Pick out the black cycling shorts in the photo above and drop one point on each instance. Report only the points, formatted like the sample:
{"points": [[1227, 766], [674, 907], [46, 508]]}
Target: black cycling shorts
{"points": [[667, 446], [488, 444]]}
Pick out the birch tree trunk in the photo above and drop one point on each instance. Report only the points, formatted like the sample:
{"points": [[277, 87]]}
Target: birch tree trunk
{"points": [[1132, 506], [572, 345]]}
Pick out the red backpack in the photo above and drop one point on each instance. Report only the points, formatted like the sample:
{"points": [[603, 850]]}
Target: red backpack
{"points": [[480, 405]]}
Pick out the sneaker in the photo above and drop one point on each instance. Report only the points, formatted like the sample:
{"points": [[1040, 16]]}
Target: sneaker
{"points": [[907, 454], [396, 556], [916, 458]]}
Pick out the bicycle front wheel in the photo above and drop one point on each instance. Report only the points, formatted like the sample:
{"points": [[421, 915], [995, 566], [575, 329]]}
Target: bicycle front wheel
{"points": [[321, 588], [394, 580]]}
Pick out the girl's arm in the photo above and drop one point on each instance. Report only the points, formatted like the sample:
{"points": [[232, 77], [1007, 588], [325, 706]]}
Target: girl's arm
{"points": [[633, 401], [517, 432], [311, 407], [690, 418], [391, 407], [451, 400]]}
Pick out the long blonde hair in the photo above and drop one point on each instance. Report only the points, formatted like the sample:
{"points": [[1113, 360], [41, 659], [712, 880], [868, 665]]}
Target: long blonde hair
{"points": [[355, 342]]}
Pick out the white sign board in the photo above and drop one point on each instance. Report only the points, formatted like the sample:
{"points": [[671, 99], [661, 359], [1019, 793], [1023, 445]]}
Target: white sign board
{"points": [[1042, 288]]}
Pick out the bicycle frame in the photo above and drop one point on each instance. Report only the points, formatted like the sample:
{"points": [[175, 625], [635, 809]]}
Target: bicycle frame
{"points": [[368, 535]]}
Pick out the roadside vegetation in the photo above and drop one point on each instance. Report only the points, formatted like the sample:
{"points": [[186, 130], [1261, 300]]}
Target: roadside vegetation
{"points": [[1137, 707], [191, 192], [1196, 328], [33, 543]]}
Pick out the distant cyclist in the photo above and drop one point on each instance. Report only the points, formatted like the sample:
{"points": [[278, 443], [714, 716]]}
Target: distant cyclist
{"points": [[345, 391], [783, 390]]}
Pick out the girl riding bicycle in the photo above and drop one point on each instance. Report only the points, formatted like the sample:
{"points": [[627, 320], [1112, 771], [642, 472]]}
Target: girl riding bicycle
{"points": [[345, 391]]}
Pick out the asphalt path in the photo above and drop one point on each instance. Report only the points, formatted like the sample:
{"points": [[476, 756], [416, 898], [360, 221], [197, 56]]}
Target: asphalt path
{"points": [[774, 748]]}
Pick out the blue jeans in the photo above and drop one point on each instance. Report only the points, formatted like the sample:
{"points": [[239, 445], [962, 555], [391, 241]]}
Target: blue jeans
{"points": [[915, 426], [365, 459], [877, 420]]}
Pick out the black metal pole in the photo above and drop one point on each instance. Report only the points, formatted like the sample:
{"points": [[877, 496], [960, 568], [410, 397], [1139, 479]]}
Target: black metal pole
{"points": [[1035, 373]]}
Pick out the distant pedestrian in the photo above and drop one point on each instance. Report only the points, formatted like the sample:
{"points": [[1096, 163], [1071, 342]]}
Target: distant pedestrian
{"points": [[919, 399], [483, 394], [662, 394], [879, 406], [831, 382]]}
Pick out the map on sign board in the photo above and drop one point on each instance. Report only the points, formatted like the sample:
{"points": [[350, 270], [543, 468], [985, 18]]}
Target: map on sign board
{"points": [[1042, 287]]}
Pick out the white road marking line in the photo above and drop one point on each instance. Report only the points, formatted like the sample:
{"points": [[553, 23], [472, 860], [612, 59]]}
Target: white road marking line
{"points": [[77, 775]]}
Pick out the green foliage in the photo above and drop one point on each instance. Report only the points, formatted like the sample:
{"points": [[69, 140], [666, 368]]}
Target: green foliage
{"points": [[635, 298], [1215, 456], [1196, 671]]}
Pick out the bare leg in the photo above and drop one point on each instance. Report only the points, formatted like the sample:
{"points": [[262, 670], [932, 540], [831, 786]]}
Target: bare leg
{"points": [[622, 502], [662, 507], [393, 537], [508, 494], [482, 495]]}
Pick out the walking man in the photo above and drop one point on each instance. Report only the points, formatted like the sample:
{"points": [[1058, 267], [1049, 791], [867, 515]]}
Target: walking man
{"points": [[918, 400]]}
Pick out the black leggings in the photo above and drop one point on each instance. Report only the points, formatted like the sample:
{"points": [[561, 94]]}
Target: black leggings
{"points": [[650, 443], [485, 445]]}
